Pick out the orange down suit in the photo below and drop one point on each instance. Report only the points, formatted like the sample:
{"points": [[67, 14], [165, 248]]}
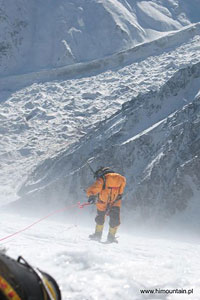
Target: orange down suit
{"points": [[107, 192]]}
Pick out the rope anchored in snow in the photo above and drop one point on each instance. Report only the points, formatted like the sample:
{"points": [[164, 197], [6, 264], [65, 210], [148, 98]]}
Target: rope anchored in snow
{"points": [[78, 204]]}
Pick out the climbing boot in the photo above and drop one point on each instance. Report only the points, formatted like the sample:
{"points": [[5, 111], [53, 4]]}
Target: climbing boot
{"points": [[111, 235], [98, 233]]}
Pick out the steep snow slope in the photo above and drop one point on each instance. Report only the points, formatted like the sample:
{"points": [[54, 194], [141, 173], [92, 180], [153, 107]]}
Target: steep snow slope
{"points": [[93, 271], [38, 121], [154, 139], [37, 34]]}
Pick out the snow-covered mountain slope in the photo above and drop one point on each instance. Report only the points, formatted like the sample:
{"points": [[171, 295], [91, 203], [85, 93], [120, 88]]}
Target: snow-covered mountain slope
{"points": [[38, 121], [88, 270], [154, 139], [115, 61], [58, 125], [37, 34]]}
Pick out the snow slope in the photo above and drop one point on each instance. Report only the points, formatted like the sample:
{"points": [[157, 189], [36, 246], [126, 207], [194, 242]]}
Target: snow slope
{"points": [[88, 270], [37, 34]]}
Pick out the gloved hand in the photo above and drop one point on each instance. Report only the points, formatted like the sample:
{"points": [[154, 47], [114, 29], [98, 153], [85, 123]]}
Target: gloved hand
{"points": [[119, 197], [92, 199]]}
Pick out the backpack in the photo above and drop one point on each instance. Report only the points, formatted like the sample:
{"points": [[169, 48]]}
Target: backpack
{"points": [[20, 281], [101, 172]]}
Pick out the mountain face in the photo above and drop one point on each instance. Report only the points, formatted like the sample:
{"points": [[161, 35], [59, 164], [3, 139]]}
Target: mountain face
{"points": [[110, 82], [153, 140], [36, 35]]}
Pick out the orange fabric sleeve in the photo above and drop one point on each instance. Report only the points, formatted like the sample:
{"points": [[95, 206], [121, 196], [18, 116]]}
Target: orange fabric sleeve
{"points": [[122, 186], [95, 188]]}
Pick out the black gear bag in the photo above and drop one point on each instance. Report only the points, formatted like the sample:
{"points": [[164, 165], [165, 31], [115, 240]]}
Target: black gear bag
{"points": [[21, 281]]}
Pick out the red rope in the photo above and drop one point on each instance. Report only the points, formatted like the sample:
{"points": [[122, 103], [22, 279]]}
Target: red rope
{"points": [[79, 205]]}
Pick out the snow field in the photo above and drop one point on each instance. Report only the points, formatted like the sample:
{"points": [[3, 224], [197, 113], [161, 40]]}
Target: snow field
{"points": [[89, 270]]}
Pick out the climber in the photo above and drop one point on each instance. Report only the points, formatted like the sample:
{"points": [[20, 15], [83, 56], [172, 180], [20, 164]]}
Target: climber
{"points": [[106, 192]]}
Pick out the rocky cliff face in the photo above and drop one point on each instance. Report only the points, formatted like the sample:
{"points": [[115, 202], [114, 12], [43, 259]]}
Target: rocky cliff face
{"points": [[154, 140], [15, 28], [168, 182]]}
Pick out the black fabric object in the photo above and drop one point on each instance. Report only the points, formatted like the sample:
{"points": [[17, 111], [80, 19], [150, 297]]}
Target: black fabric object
{"points": [[102, 171], [24, 280], [114, 214], [2, 297], [92, 199], [119, 197], [100, 218]]}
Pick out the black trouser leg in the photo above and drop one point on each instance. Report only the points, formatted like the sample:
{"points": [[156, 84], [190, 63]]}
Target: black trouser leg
{"points": [[114, 216], [100, 218]]}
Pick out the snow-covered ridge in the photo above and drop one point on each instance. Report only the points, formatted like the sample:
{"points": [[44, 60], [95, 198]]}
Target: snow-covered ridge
{"points": [[36, 35], [152, 161], [140, 52]]}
